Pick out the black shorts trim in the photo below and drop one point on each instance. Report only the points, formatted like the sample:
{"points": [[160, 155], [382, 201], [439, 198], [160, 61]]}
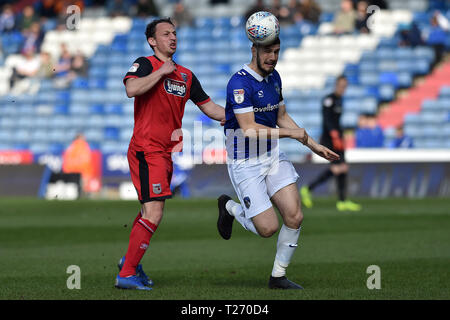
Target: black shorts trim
{"points": [[155, 199], [143, 176]]}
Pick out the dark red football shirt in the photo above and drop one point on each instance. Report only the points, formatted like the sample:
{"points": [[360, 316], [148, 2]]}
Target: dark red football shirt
{"points": [[159, 111]]}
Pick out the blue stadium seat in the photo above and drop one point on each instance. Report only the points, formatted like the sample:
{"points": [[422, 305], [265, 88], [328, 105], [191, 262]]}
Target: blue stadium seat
{"points": [[96, 109], [113, 109], [111, 133], [445, 92], [386, 92], [424, 52]]}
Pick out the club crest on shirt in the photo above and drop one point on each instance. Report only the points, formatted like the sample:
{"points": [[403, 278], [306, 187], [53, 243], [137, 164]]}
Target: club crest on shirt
{"points": [[184, 76], [174, 87], [247, 202], [239, 95], [134, 67], [277, 88]]}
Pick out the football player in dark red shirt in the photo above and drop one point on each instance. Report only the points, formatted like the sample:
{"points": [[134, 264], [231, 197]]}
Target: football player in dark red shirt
{"points": [[160, 88]]}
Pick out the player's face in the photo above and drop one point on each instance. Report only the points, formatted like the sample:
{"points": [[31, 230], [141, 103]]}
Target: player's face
{"points": [[165, 39], [267, 58], [341, 86]]}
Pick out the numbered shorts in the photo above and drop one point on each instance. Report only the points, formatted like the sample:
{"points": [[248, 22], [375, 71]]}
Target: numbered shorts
{"points": [[256, 183], [151, 173]]}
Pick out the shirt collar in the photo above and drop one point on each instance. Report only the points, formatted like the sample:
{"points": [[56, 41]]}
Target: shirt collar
{"points": [[255, 75]]}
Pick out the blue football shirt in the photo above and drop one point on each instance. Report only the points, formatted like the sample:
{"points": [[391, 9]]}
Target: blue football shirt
{"points": [[248, 91]]}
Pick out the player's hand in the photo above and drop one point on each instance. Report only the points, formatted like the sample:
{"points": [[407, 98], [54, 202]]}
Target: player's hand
{"points": [[222, 122], [168, 67], [338, 143], [324, 152]]}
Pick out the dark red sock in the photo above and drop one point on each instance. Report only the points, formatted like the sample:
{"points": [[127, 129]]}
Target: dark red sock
{"points": [[140, 236], [137, 218]]}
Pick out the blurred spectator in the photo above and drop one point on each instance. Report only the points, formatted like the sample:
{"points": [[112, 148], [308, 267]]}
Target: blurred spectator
{"points": [[48, 9], [309, 10], [27, 67], [116, 8], [78, 66], [64, 64], [344, 21], [258, 6], [410, 35], [401, 140], [146, 8], [33, 37], [46, 67], [63, 68], [27, 19], [382, 4], [78, 159], [437, 35], [379, 3], [214, 2], [98, 3], [361, 17], [7, 19], [287, 12], [275, 8], [369, 134], [181, 16]]}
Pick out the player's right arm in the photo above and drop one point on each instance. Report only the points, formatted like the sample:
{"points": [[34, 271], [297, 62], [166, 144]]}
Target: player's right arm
{"points": [[252, 129], [141, 77]]}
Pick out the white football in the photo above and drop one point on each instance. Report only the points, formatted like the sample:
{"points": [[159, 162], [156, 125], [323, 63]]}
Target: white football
{"points": [[262, 27]]}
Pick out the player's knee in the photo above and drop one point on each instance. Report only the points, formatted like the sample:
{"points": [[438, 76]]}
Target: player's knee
{"points": [[268, 231], [294, 220]]}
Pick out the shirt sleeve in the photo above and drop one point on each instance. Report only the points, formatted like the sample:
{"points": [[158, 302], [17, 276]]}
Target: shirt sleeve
{"points": [[197, 94], [278, 80], [281, 102], [141, 67], [239, 96]]}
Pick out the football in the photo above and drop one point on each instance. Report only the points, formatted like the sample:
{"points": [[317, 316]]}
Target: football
{"points": [[262, 27]]}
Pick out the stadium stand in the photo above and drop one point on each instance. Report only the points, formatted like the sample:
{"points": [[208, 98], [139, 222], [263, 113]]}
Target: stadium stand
{"points": [[214, 47]]}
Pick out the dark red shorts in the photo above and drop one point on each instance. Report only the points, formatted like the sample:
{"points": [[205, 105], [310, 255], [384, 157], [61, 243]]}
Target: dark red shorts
{"points": [[151, 173]]}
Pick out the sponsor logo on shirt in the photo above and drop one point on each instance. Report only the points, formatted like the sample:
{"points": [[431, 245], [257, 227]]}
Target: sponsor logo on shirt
{"points": [[269, 107], [174, 87]]}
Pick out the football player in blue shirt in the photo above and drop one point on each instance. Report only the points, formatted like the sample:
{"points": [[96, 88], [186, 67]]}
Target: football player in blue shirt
{"points": [[261, 175]]}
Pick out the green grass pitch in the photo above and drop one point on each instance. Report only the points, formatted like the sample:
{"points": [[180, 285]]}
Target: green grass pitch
{"points": [[408, 239]]}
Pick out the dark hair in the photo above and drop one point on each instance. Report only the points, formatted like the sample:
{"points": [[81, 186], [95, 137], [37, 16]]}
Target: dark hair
{"points": [[151, 27], [341, 77], [275, 41]]}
